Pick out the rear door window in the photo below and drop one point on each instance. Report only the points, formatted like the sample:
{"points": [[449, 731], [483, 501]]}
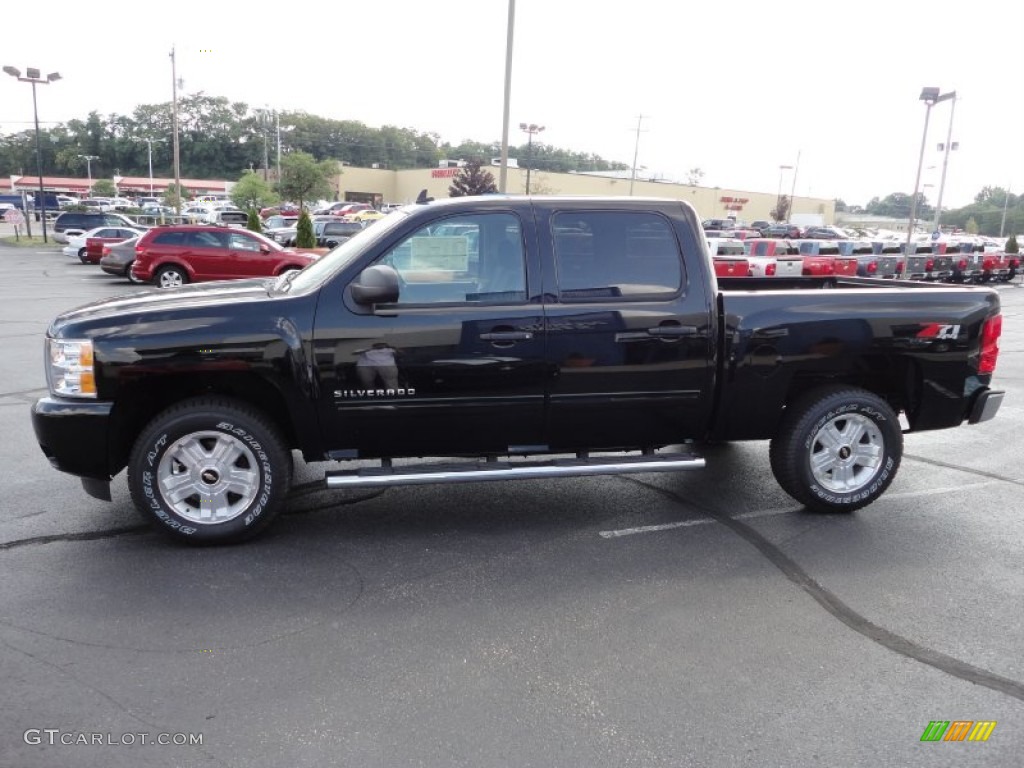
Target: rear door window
{"points": [[615, 255]]}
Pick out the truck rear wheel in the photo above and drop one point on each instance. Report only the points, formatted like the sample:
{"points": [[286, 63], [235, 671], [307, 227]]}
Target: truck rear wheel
{"points": [[837, 449], [209, 470]]}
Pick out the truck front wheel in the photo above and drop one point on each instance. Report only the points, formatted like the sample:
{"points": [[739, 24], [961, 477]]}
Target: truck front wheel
{"points": [[209, 470], [837, 449]]}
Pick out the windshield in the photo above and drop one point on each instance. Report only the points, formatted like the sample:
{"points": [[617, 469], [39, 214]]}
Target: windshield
{"points": [[340, 257]]}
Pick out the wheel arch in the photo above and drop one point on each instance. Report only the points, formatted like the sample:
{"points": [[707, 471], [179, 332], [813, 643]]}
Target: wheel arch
{"points": [[139, 404]]}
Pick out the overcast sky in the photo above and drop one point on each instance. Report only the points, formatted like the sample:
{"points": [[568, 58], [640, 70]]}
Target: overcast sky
{"points": [[736, 88]]}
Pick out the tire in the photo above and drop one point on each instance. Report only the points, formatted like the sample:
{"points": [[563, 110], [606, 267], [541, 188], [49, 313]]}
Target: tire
{"points": [[171, 277], [82, 257], [862, 460], [179, 465], [132, 278]]}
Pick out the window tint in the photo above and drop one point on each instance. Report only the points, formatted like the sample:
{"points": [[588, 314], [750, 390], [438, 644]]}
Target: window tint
{"points": [[170, 238], [464, 259], [615, 255], [206, 240]]}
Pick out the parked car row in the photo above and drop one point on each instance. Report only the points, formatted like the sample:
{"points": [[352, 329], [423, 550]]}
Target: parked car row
{"points": [[956, 262]]}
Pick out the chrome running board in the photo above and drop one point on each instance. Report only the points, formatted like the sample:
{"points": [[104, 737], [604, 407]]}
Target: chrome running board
{"points": [[478, 471]]}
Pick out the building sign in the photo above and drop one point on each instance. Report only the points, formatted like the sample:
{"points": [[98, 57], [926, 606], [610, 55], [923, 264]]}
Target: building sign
{"points": [[443, 173]]}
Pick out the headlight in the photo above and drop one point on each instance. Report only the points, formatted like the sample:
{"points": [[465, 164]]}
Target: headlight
{"points": [[69, 368]]}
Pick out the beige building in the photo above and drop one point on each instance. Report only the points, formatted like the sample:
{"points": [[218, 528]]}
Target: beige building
{"points": [[384, 186]]}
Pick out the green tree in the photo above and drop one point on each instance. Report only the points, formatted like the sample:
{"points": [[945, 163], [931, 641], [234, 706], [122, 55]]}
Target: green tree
{"points": [[103, 188], [472, 180], [781, 210], [971, 226], [304, 179], [253, 222], [251, 191], [841, 206], [1011, 245], [175, 198], [304, 237]]}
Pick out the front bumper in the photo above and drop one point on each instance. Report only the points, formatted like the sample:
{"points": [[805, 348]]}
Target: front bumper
{"points": [[74, 435]]}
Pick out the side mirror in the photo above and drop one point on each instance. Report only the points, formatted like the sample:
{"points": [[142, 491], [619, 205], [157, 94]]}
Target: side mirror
{"points": [[264, 249], [376, 285]]}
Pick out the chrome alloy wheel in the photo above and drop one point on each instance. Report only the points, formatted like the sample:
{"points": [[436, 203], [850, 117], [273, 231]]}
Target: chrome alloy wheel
{"points": [[208, 477], [170, 278], [846, 453]]}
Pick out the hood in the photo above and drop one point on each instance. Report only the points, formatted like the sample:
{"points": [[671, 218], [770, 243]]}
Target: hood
{"points": [[155, 304]]}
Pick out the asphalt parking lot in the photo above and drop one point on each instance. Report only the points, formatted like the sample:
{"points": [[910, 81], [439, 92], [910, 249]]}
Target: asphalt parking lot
{"points": [[699, 619]]}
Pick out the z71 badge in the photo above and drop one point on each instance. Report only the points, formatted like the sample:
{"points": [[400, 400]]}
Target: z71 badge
{"points": [[938, 331]]}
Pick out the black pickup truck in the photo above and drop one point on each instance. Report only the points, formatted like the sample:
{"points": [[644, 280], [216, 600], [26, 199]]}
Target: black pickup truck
{"points": [[508, 337]]}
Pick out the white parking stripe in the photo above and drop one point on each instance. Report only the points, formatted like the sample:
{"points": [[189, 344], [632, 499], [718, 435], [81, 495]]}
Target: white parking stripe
{"points": [[778, 511]]}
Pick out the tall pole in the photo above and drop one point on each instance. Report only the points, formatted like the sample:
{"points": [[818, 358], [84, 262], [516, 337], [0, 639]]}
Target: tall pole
{"points": [[39, 162], [149, 148], [792, 191], [88, 168], [277, 119], [636, 152], [1006, 202], [917, 181], [174, 113], [510, 29], [529, 160], [945, 162], [266, 155]]}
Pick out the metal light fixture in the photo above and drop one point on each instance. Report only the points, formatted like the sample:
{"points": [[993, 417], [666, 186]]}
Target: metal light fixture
{"points": [[531, 129], [34, 76], [931, 97]]}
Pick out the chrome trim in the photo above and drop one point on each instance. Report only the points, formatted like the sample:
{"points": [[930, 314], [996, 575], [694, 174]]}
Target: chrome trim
{"points": [[473, 472]]}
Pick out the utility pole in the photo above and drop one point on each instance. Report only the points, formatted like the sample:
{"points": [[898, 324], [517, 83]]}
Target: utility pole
{"points": [[277, 118], [177, 156], [945, 162], [1006, 202], [88, 168], [636, 152], [792, 191]]}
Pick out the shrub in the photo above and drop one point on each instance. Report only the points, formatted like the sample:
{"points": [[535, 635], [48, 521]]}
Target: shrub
{"points": [[253, 222], [304, 237]]}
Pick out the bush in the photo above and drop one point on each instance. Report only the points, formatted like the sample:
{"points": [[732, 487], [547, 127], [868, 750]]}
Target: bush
{"points": [[253, 221], [304, 237], [1011, 245]]}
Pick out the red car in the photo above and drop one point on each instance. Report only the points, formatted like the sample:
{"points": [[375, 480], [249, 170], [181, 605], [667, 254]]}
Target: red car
{"points": [[100, 237], [175, 255]]}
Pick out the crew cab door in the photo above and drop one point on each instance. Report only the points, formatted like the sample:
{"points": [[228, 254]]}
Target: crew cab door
{"points": [[630, 326], [456, 364]]}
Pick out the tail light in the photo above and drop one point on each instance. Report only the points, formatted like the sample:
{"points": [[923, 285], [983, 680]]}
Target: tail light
{"points": [[106, 250], [929, 265], [899, 267], [988, 263], [872, 267], [962, 264], [769, 270], [990, 333]]}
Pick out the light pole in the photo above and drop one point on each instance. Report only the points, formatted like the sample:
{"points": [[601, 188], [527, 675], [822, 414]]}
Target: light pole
{"points": [[931, 97], [510, 26], [34, 76], [778, 194], [88, 168], [174, 120], [149, 148], [945, 162], [530, 129]]}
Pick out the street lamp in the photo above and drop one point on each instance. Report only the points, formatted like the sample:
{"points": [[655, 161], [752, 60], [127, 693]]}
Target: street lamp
{"points": [[531, 129], [88, 168], [149, 147], [34, 76], [931, 97], [945, 162]]}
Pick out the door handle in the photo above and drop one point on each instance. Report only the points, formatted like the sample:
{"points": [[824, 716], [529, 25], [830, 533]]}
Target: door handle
{"points": [[770, 333], [507, 336], [672, 331]]}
